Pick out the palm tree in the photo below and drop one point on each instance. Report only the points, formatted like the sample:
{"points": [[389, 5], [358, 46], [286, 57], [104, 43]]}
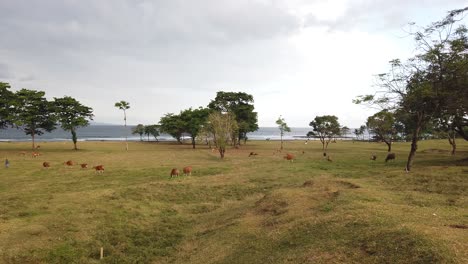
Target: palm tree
{"points": [[123, 105]]}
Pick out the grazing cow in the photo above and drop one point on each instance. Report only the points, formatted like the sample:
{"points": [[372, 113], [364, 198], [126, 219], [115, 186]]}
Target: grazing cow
{"points": [[38, 147], [69, 163], [289, 157], [99, 169], [84, 165], [174, 172], [187, 171], [35, 154], [7, 163], [390, 156], [329, 158], [46, 164], [253, 154], [324, 154], [373, 157]]}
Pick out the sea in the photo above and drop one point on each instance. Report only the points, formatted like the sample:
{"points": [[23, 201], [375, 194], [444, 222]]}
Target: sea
{"points": [[118, 133]]}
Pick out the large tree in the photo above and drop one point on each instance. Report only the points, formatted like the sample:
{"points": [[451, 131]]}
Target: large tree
{"points": [[139, 130], [283, 127], [222, 127], [325, 128], [173, 125], [6, 105], [430, 84], [33, 113], [72, 114], [382, 125], [152, 130], [193, 121], [239, 104], [124, 106]]}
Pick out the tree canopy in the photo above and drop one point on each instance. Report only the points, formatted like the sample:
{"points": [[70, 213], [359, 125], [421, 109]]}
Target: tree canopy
{"points": [[325, 128], [382, 125], [6, 105], [71, 114], [239, 104], [283, 127]]}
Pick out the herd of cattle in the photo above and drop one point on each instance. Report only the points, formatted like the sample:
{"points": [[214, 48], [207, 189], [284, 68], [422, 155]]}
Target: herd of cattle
{"points": [[186, 170]]}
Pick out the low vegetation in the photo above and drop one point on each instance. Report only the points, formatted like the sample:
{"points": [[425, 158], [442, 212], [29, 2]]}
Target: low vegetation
{"points": [[240, 209]]}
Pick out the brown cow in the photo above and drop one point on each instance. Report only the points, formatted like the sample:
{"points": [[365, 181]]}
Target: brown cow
{"points": [[84, 165], [99, 169], [35, 154], [289, 157], [187, 170], [329, 158], [253, 154], [46, 164], [69, 163], [373, 157], [174, 172]]}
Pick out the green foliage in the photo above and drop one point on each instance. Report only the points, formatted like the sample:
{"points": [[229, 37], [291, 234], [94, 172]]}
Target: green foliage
{"points": [[173, 125], [72, 114], [33, 113], [382, 125], [152, 130], [139, 130], [283, 127], [193, 121], [223, 128], [124, 106], [325, 128], [6, 105], [241, 105]]}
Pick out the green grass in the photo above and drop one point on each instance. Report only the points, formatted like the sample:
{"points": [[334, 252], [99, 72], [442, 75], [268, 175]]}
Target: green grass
{"points": [[261, 209]]}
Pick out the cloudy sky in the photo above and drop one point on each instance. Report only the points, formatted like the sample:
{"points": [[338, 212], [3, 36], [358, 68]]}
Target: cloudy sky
{"points": [[298, 58]]}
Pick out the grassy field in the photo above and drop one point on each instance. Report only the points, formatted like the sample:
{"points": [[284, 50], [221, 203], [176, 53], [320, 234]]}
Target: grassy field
{"points": [[260, 209]]}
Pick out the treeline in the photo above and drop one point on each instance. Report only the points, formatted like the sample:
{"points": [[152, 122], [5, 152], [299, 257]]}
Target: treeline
{"points": [[31, 112], [429, 92], [225, 121]]}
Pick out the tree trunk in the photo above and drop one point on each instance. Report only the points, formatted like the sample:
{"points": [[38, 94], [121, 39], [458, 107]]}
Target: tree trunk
{"points": [[193, 142], [32, 135], [125, 125], [221, 152], [451, 139], [74, 138], [414, 147], [281, 142], [389, 145]]}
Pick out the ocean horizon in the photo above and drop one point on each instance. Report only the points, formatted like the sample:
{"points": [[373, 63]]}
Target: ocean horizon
{"points": [[118, 132]]}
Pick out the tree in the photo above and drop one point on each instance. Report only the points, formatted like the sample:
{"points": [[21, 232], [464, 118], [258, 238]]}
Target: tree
{"points": [[283, 127], [139, 130], [222, 126], [123, 105], [241, 106], [33, 113], [152, 130], [193, 121], [430, 84], [345, 131], [359, 132], [173, 125], [72, 114], [382, 124], [6, 105], [325, 128]]}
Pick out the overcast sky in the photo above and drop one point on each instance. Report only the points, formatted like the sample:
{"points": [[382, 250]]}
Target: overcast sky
{"points": [[298, 58]]}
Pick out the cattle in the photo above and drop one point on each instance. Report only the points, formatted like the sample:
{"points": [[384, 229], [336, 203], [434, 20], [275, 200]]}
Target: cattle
{"points": [[7, 163], [35, 154], [253, 154], [329, 158], [289, 157], [390, 156], [69, 163], [187, 171], [46, 164], [373, 157], [84, 165], [174, 172], [38, 147], [99, 169]]}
